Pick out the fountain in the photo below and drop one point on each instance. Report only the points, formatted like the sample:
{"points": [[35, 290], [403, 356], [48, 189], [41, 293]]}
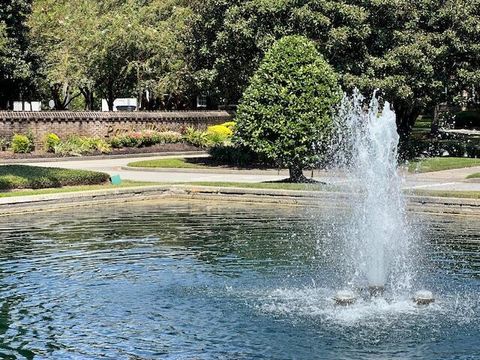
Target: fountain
{"points": [[380, 241]]}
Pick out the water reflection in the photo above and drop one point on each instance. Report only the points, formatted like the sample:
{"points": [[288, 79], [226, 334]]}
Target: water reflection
{"points": [[190, 280]]}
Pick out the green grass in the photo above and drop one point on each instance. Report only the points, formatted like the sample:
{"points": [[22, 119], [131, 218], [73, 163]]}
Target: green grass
{"points": [[326, 187], [268, 185], [70, 189], [33, 177], [423, 125], [441, 163], [323, 187], [446, 193], [474, 176], [175, 163], [273, 186]]}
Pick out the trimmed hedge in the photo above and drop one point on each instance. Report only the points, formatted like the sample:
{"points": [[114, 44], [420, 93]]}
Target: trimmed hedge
{"points": [[32, 177]]}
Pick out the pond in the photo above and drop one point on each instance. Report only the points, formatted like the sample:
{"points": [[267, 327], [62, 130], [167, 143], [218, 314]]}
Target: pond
{"points": [[193, 280]]}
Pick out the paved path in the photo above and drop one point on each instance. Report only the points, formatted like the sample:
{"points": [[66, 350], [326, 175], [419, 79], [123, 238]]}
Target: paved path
{"points": [[440, 180]]}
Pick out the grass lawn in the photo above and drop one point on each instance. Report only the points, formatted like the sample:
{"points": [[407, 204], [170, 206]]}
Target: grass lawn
{"points": [[423, 124], [445, 193], [269, 185], [326, 187], [273, 186], [176, 163], [474, 176], [441, 163], [70, 189]]}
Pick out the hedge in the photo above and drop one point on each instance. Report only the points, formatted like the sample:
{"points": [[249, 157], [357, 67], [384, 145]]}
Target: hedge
{"points": [[32, 177]]}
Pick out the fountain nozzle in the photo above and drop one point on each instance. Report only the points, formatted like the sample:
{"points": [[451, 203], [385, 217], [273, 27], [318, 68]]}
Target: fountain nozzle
{"points": [[423, 297], [345, 298]]}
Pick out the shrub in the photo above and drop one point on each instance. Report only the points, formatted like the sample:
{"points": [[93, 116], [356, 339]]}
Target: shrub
{"points": [[116, 142], [236, 155], [197, 138], [285, 113], [219, 133], [145, 138], [467, 119], [473, 151], [4, 144], [170, 137], [453, 148], [51, 140], [21, 144], [77, 146], [230, 124], [32, 177]]}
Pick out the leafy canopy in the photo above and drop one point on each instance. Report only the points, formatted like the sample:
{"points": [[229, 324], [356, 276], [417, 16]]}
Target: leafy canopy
{"points": [[112, 48], [285, 113], [419, 53]]}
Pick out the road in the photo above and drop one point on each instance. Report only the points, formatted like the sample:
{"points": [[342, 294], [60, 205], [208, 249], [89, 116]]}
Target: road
{"points": [[453, 180]]}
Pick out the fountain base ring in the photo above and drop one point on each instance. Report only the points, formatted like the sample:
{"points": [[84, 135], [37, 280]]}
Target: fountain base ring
{"points": [[423, 297], [345, 298]]}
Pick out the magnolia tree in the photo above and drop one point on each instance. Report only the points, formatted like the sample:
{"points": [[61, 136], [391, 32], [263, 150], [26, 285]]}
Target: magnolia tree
{"points": [[285, 113]]}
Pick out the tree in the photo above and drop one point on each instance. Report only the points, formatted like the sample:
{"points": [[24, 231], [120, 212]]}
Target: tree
{"points": [[157, 64], [285, 113], [412, 51], [228, 39], [112, 48], [61, 33], [16, 63]]}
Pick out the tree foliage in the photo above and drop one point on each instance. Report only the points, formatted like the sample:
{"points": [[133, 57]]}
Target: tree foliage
{"points": [[165, 52], [3, 36], [16, 62], [112, 48], [411, 51], [285, 113]]}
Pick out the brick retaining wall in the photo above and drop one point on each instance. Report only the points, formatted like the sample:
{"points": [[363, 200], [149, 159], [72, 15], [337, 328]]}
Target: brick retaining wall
{"points": [[103, 124]]}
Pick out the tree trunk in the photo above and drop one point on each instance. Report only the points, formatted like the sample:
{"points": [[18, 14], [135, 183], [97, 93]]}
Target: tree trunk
{"points": [[88, 96], [296, 174], [110, 98], [406, 117], [57, 97], [436, 121]]}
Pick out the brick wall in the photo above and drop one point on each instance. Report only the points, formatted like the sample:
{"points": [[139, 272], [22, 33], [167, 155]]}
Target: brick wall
{"points": [[103, 124]]}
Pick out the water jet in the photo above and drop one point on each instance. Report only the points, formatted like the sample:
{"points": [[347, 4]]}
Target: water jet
{"points": [[376, 290], [378, 238]]}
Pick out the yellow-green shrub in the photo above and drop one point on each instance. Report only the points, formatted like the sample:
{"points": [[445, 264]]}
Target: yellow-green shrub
{"points": [[220, 130], [21, 144], [219, 133], [230, 124], [51, 140]]}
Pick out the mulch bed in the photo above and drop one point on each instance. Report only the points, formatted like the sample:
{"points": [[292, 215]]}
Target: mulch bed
{"points": [[8, 155]]}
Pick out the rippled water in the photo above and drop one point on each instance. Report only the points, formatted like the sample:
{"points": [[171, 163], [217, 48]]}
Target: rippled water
{"points": [[220, 281]]}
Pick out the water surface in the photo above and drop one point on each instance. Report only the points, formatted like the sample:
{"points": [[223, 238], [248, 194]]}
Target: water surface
{"points": [[185, 280]]}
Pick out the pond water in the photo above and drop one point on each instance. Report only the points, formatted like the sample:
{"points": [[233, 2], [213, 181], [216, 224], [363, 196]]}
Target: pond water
{"points": [[182, 280]]}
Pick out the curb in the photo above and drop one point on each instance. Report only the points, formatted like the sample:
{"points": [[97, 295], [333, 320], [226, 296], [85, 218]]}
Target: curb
{"points": [[102, 157], [473, 181], [49, 202]]}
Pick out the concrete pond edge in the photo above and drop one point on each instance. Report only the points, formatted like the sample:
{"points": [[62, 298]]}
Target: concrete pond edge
{"points": [[49, 202]]}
